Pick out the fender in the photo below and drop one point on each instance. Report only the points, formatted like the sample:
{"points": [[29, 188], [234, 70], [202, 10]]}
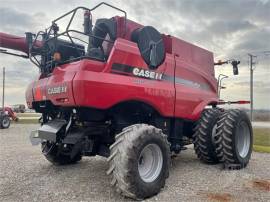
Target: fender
{"points": [[198, 110]]}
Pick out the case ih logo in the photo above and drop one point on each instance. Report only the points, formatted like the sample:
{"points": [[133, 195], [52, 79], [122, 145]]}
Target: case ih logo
{"points": [[152, 75], [146, 73], [136, 71], [57, 90]]}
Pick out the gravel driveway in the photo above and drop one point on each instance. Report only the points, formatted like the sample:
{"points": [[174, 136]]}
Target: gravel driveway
{"points": [[25, 175]]}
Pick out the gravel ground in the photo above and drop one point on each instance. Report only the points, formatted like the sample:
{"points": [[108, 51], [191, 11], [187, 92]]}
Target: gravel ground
{"points": [[25, 175]]}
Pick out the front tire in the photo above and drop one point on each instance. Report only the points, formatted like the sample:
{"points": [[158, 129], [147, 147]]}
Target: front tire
{"points": [[139, 161], [237, 138]]}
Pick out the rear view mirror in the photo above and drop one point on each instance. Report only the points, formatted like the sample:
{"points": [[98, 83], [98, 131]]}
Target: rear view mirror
{"points": [[235, 64]]}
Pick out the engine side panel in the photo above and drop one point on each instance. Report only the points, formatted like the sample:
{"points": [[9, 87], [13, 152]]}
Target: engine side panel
{"points": [[117, 83], [194, 90], [195, 82]]}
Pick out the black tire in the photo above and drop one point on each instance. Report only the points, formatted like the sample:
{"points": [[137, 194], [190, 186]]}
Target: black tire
{"points": [[237, 138], [126, 156], [4, 122], [204, 139], [57, 155]]}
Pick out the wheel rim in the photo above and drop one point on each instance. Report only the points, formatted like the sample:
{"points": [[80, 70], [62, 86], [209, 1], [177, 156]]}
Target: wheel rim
{"points": [[5, 122], [150, 163], [243, 139]]}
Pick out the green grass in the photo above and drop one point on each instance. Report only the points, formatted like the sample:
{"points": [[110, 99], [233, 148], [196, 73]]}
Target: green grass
{"points": [[26, 121], [28, 115], [261, 139], [27, 118], [264, 149], [261, 136]]}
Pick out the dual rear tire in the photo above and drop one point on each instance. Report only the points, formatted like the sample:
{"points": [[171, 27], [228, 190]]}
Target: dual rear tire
{"points": [[204, 137], [236, 133], [224, 137]]}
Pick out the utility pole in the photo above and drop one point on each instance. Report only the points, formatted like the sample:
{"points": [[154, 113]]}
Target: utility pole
{"points": [[251, 84], [3, 95]]}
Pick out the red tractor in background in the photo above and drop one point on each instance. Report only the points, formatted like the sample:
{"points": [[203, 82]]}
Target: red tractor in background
{"points": [[122, 90], [4, 119], [5, 115]]}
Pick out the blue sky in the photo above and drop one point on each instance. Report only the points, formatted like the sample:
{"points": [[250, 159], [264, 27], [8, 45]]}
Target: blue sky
{"points": [[229, 28]]}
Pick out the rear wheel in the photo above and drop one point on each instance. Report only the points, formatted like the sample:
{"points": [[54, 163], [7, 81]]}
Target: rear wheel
{"points": [[205, 138], [139, 161], [237, 138], [59, 154], [4, 121]]}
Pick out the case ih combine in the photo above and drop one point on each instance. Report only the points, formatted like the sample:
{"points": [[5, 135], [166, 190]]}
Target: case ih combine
{"points": [[130, 94]]}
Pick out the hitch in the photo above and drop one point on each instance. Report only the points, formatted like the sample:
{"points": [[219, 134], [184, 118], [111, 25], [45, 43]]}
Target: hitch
{"points": [[51, 130]]}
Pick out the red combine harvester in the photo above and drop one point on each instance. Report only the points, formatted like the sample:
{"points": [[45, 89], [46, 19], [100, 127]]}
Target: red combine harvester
{"points": [[131, 94]]}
